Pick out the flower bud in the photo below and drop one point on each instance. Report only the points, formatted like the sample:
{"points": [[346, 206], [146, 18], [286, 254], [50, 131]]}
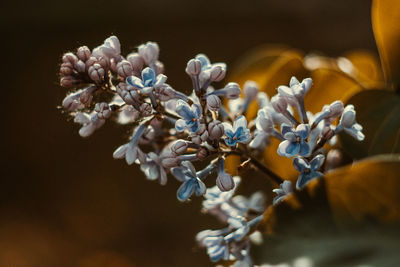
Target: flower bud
{"points": [[136, 62], [327, 133], [250, 89], [80, 66], [149, 52], [193, 67], [215, 130], [336, 109], [124, 68], [217, 72], [307, 83], [68, 81], [232, 90], [96, 73], [213, 102], [169, 160], [334, 159], [104, 62], [158, 67], [202, 153], [103, 110], [348, 117], [66, 69], [279, 103], [86, 97], [179, 147], [225, 182], [146, 109], [90, 62], [71, 101], [69, 58], [83, 53], [165, 92]]}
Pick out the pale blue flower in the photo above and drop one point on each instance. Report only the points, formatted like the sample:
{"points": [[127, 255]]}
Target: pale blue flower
{"points": [[238, 133], [284, 189], [153, 169], [191, 182], [148, 82], [217, 248], [308, 170], [349, 124], [296, 141], [190, 114]]}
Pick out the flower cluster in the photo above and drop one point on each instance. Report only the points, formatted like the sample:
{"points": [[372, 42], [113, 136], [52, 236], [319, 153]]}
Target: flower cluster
{"points": [[181, 129]]}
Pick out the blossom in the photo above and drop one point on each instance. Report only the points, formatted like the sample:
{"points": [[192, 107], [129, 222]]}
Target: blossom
{"points": [[296, 140], [349, 125], [217, 248], [191, 183], [130, 151], [285, 189], [308, 170], [237, 133], [148, 82], [190, 115], [214, 72], [153, 169], [265, 128], [296, 90], [224, 180]]}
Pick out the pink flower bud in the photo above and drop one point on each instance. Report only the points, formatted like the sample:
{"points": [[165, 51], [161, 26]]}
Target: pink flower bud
{"points": [[90, 62], [83, 53], [68, 81], [104, 62], [66, 69], [215, 130], [96, 73], [80, 66], [225, 182], [149, 52], [179, 147], [103, 110], [279, 103], [136, 62], [213, 102], [193, 67], [146, 109], [217, 72], [250, 89], [71, 102], [69, 58], [124, 68], [202, 153], [169, 160]]}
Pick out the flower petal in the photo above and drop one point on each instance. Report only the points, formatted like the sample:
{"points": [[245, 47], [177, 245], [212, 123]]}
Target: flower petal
{"points": [[148, 76], [300, 164], [196, 110], [317, 162], [186, 190], [183, 109], [180, 125], [230, 142], [285, 128], [131, 154], [228, 128], [161, 79], [303, 130], [304, 149], [240, 122], [205, 62], [135, 82], [200, 188], [189, 166]]}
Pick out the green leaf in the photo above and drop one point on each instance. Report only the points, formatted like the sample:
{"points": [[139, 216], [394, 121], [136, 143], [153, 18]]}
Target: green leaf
{"points": [[378, 111]]}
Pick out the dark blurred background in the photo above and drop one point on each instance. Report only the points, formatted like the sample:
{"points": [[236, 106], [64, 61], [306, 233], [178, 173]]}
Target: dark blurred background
{"points": [[63, 200]]}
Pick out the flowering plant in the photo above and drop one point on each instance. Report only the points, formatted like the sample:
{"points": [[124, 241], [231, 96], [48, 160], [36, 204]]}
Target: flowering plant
{"points": [[191, 136]]}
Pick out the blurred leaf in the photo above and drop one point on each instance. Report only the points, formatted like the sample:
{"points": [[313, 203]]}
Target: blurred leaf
{"points": [[378, 112], [329, 85], [366, 189], [385, 22], [314, 222], [365, 68]]}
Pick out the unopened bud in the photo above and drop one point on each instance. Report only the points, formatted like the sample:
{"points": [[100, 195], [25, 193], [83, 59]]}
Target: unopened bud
{"points": [[348, 117], [80, 66], [279, 103], [124, 68], [66, 69], [96, 73], [90, 62], [179, 147], [104, 62], [334, 159], [146, 109], [250, 89], [83, 53], [149, 52], [225, 182], [217, 72], [103, 110], [193, 67], [327, 133], [169, 160], [68, 81], [69, 57], [232, 90], [71, 101], [336, 109], [215, 130], [136, 62], [202, 153], [213, 102]]}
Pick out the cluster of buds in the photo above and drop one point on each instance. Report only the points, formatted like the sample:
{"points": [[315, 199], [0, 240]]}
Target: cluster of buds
{"points": [[180, 130]]}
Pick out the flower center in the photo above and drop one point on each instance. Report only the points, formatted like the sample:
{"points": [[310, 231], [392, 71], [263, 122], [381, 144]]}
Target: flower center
{"points": [[298, 139], [194, 119]]}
